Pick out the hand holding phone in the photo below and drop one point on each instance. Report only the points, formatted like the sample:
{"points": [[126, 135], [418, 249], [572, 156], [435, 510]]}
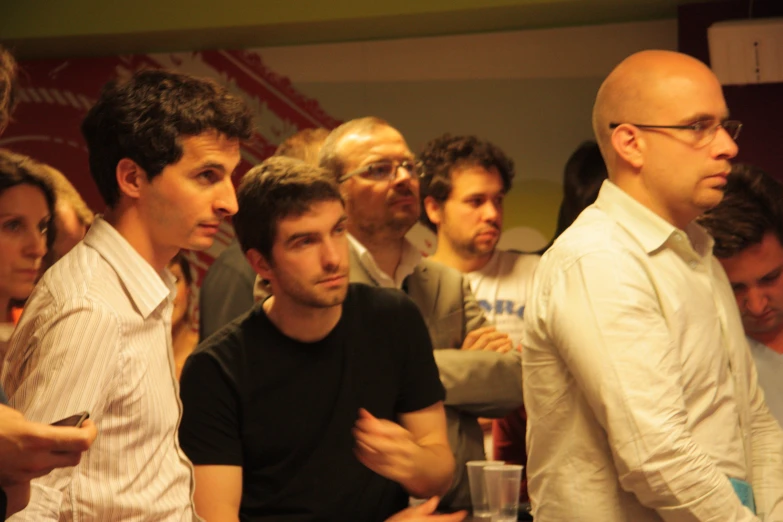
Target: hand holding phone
{"points": [[74, 420]]}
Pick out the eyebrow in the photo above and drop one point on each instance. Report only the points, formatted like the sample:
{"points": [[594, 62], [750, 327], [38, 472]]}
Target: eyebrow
{"points": [[299, 235], [210, 165], [703, 116]]}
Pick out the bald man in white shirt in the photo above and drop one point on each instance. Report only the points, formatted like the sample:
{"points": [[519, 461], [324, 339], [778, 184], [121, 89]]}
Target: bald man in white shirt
{"points": [[642, 397]]}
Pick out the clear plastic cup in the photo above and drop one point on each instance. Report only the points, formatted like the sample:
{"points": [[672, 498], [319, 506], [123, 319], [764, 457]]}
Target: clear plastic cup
{"points": [[478, 492], [502, 486]]}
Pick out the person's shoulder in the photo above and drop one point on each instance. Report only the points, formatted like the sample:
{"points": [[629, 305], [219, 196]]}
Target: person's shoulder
{"points": [[518, 261], [436, 269]]}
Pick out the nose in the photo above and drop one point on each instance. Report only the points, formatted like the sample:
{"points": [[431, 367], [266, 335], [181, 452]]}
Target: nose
{"points": [[755, 301], [35, 244], [334, 251], [492, 212], [725, 146], [226, 201]]}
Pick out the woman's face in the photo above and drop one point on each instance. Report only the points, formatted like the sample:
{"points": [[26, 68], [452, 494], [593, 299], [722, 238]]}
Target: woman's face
{"points": [[24, 219], [182, 299]]}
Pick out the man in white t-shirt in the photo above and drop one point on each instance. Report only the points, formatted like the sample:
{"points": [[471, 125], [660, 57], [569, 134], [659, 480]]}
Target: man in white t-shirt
{"points": [[465, 180], [748, 231]]}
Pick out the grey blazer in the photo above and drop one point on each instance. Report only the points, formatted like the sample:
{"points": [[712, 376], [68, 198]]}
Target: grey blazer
{"points": [[477, 383]]}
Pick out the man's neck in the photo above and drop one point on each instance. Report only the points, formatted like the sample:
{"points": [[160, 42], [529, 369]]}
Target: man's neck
{"points": [[446, 255], [772, 340], [135, 233], [302, 323], [386, 249]]}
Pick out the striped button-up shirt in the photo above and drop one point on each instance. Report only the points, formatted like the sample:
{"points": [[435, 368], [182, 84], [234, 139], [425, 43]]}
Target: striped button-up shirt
{"points": [[96, 336]]}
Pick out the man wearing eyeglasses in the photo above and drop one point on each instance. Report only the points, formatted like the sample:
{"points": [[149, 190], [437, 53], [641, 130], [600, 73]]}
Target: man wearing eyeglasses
{"points": [[379, 181], [642, 397]]}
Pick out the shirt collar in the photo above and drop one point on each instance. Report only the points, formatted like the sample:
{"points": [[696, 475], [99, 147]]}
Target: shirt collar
{"points": [[648, 228], [146, 287], [408, 261]]}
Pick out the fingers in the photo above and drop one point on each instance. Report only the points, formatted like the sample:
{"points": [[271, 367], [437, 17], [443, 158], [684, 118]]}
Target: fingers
{"points": [[501, 345], [475, 335], [490, 339], [62, 439]]}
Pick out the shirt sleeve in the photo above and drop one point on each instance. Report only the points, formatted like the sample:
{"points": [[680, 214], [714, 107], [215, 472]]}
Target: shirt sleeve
{"points": [[767, 460], [61, 361], [421, 386], [209, 433], [607, 324]]}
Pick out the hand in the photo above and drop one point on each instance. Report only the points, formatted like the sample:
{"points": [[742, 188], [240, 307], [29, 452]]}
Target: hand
{"points": [[385, 447], [489, 339], [423, 513], [30, 449]]}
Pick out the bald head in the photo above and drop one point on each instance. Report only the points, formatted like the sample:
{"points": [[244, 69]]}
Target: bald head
{"points": [[641, 89]]}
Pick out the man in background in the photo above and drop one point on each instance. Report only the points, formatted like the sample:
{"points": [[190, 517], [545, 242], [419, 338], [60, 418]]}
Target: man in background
{"points": [[748, 231], [379, 181], [463, 186]]}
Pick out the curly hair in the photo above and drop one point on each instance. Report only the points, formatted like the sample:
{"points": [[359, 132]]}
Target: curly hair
{"points": [[277, 188], [440, 156], [144, 118], [752, 207], [8, 87]]}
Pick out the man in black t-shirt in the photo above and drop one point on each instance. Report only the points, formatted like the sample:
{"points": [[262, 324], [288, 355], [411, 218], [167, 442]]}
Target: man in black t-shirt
{"points": [[323, 402]]}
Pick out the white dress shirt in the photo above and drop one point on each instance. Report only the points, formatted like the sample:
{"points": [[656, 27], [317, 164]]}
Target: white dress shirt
{"points": [[96, 336], [408, 260], [641, 393]]}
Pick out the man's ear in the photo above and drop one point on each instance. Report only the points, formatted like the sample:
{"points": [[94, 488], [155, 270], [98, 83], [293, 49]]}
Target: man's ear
{"points": [[129, 177], [433, 210], [629, 145], [262, 267]]}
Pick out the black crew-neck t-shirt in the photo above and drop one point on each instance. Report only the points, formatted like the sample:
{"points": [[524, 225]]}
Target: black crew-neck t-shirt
{"points": [[283, 410]]}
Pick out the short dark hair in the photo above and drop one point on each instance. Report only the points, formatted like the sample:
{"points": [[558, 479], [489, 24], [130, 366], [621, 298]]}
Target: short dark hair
{"points": [[18, 169], [330, 157], [273, 190], [304, 145], [752, 207], [440, 156], [144, 118], [8, 87]]}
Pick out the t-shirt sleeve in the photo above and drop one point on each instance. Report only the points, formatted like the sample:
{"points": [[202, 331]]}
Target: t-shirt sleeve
{"points": [[421, 386], [209, 432]]}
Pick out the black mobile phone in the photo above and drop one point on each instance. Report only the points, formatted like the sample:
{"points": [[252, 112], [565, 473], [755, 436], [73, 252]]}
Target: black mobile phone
{"points": [[74, 420]]}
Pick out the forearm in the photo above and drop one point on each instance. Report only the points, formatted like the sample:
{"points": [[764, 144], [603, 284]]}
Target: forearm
{"points": [[482, 383], [432, 472]]}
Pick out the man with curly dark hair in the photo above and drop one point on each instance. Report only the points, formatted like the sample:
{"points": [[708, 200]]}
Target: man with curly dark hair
{"points": [[464, 182], [748, 230], [96, 333]]}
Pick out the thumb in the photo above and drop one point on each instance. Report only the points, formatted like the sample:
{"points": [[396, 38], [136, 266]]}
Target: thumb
{"points": [[426, 508]]}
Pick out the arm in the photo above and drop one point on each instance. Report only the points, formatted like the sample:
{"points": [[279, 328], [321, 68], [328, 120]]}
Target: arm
{"points": [[766, 450], [605, 318], [209, 435], [484, 383], [218, 492], [59, 363], [414, 453]]}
